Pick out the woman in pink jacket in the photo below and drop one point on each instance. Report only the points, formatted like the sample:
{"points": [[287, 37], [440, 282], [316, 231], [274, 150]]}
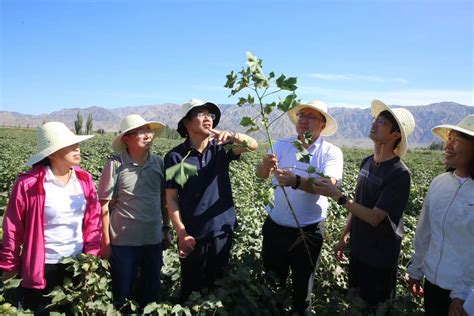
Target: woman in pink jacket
{"points": [[53, 212]]}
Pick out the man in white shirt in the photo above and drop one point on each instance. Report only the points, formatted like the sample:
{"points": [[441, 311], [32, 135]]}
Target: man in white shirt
{"points": [[282, 247]]}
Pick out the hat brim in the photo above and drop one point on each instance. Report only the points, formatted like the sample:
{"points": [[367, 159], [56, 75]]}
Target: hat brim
{"points": [[331, 124], [118, 145], [211, 107], [378, 107], [442, 131], [52, 149]]}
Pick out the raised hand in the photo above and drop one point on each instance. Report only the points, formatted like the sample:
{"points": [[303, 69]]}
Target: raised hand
{"points": [[223, 137]]}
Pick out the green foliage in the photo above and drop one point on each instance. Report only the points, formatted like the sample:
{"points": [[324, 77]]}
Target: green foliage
{"points": [[91, 294], [6, 308], [253, 78], [78, 123], [181, 171], [245, 289], [170, 133], [89, 124], [435, 146]]}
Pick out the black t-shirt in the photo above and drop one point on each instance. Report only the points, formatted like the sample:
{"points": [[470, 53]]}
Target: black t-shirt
{"points": [[205, 202], [386, 187]]}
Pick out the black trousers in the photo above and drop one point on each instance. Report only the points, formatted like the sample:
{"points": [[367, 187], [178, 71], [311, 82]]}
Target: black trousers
{"points": [[437, 299], [375, 285], [283, 249], [205, 264], [34, 300]]}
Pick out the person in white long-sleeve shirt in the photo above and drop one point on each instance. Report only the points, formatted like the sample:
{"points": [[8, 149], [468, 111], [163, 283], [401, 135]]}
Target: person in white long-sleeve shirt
{"points": [[444, 252]]}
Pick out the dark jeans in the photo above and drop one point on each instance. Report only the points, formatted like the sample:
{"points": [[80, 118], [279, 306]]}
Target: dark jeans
{"points": [[437, 299], [205, 264], [34, 300], [375, 285], [281, 251], [129, 261]]}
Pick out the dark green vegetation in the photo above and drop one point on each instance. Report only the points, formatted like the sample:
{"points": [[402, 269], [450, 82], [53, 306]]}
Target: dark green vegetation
{"points": [[245, 290]]}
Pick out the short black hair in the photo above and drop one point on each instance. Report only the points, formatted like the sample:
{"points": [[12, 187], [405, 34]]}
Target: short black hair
{"points": [[43, 162]]}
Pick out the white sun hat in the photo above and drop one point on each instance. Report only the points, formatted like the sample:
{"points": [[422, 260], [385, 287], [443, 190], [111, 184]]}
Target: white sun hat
{"points": [[321, 107], [195, 103], [133, 121], [465, 126], [405, 121], [51, 137]]}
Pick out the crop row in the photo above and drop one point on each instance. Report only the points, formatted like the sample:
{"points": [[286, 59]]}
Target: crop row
{"points": [[245, 289]]}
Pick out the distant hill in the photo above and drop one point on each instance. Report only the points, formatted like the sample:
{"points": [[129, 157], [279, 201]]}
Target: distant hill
{"points": [[354, 123]]}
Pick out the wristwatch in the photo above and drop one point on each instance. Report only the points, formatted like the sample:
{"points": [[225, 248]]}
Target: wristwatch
{"points": [[342, 200], [298, 182]]}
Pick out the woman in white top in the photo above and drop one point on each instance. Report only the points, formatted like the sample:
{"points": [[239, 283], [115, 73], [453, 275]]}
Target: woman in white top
{"points": [[53, 212], [444, 251]]}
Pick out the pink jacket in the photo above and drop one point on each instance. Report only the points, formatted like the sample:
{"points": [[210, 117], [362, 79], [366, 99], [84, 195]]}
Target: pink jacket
{"points": [[23, 226]]}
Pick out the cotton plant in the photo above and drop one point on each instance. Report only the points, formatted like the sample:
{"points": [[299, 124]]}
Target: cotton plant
{"points": [[262, 87]]}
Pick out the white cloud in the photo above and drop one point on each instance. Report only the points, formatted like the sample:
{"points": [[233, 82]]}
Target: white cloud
{"points": [[362, 98], [354, 77]]}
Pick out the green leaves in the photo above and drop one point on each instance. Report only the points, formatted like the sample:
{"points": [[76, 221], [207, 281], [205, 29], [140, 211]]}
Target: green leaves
{"points": [[286, 83], [181, 172], [244, 145], [308, 137], [288, 103], [302, 155], [231, 79], [250, 123]]}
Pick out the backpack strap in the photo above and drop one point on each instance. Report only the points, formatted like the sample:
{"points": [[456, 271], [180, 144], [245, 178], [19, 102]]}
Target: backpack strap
{"points": [[118, 162]]}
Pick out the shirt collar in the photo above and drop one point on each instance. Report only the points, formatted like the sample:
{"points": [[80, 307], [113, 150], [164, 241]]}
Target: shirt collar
{"points": [[188, 146], [126, 159], [50, 177]]}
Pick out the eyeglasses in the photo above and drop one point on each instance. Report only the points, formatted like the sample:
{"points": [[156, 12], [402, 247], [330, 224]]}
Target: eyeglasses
{"points": [[202, 115], [309, 117], [142, 132], [380, 121]]}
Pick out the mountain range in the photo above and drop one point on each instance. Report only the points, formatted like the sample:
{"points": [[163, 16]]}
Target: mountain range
{"points": [[353, 123]]}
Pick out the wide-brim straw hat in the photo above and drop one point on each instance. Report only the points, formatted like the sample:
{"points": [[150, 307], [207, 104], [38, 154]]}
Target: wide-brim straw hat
{"points": [[196, 103], [321, 107], [466, 126], [133, 121], [51, 137], [405, 122]]}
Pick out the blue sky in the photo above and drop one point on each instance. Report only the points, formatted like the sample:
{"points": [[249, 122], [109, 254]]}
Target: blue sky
{"points": [[80, 53]]}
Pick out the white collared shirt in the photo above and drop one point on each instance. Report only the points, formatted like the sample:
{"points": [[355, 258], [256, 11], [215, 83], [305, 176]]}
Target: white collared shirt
{"points": [[63, 215], [309, 208]]}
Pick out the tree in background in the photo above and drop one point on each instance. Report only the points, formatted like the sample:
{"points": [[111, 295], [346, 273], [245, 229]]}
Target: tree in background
{"points": [[171, 133], [78, 123], [89, 124], [435, 146]]}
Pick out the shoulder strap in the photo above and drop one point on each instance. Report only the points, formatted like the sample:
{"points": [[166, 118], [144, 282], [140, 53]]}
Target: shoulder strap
{"points": [[118, 161]]}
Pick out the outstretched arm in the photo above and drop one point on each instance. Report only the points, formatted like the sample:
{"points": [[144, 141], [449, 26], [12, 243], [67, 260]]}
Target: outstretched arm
{"points": [[224, 137], [373, 216]]}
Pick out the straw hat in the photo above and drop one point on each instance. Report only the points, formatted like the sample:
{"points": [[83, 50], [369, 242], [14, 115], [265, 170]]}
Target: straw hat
{"points": [[133, 121], [405, 121], [466, 126], [51, 137], [195, 103], [321, 107]]}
